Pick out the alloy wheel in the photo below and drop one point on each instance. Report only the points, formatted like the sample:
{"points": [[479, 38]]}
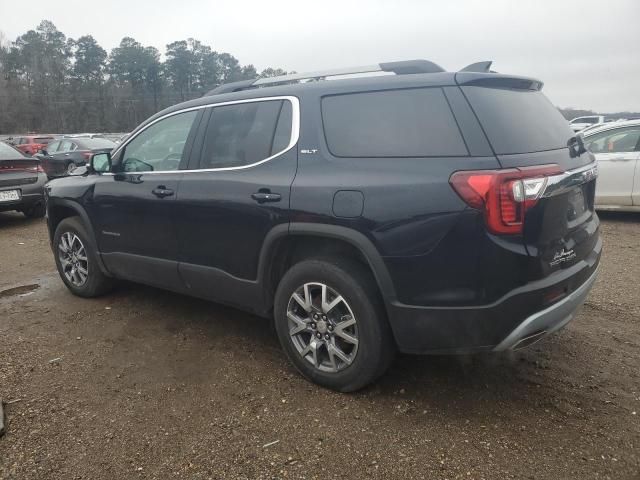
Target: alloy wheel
{"points": [[73, 259], [322, 327]]}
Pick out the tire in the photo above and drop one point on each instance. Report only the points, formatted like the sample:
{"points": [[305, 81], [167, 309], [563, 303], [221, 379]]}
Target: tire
{"points": [[361, 300], [94, 283], [35, 211], [71, 166]]}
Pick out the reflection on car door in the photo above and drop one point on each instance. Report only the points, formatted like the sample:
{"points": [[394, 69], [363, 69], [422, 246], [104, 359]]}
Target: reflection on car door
{"points": [[245, 162], [617, 155], [135, 206]]}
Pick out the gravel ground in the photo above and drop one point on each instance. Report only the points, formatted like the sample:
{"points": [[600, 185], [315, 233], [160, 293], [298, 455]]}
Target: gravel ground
{"points": [[147, 384]]}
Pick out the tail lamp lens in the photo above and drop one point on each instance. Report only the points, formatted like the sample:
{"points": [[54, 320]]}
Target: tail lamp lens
{"points": [[505, 195]]}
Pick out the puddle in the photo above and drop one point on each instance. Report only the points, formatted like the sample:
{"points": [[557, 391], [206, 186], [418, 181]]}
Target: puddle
{"points": [[21, 290]]}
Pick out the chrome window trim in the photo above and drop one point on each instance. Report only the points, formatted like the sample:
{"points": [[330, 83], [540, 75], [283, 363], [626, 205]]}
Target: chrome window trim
{"points": [[560, 183], [295, 133]]}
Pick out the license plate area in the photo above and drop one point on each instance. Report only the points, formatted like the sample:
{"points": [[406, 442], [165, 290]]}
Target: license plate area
{"points": [[9, 195], [576, 203]]}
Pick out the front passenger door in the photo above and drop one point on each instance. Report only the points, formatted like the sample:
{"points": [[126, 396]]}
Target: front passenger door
{"points": [[135, 205]]}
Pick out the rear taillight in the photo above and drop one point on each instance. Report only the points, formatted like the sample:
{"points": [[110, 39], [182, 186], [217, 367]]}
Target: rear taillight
{"points": [[86, 155], [503, 195], [39, 169]]}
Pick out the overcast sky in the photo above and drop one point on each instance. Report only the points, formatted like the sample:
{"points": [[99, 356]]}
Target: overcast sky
{"points": [[587, 52]]}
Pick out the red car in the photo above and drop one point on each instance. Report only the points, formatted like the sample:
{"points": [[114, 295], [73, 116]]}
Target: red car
{"points": [[32, 144]]}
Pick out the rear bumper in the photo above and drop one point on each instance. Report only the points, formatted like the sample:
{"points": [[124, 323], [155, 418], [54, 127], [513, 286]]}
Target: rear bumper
{"points": [[549, 320], [31, 194], [517, 319]]}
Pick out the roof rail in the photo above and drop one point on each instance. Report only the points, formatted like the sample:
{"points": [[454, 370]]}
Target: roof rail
{"points": [[406, 67], [479, 67]]}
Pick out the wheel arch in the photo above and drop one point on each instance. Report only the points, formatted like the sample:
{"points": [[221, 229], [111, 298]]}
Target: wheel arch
{"points": [[310, 239], [59, 209]]}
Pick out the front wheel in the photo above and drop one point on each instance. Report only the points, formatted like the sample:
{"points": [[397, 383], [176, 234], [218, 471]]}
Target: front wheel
{"points": [[76, 260], [331, 323]]}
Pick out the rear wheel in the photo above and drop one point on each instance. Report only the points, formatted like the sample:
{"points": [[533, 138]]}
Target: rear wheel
{"points": [[331, 323], [70, 168], [76, 260]]}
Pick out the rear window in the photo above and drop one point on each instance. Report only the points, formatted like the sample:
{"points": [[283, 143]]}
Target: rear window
{"points": [[394, 123], [9, 153], [519, 121], [246, 133]]}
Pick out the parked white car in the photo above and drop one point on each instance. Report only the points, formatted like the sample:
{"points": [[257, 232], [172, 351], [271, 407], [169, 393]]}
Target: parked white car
{"points": [[617, 150], [580, 123]]}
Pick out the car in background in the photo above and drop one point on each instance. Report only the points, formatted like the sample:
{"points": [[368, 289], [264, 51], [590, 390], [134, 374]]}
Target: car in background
{"points": [[32, 144], [84, 135], [22, 182], [616, 147], [118, 138], [63, 156]]}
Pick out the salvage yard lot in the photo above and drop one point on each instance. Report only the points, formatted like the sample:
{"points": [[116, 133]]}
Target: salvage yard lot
{"points": [[143, 383]]}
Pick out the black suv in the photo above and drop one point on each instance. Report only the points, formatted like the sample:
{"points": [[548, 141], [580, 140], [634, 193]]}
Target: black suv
{"points": [[419, 210]]}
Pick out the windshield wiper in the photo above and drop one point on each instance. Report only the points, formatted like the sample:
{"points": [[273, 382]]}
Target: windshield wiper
{"points": [[576, 146]]}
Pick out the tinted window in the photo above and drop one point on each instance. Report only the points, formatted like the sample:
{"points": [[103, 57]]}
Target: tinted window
{"points": [[398, 123], [519, 121], [245, 133], [618, 140], [282, 135], [160, 146]]}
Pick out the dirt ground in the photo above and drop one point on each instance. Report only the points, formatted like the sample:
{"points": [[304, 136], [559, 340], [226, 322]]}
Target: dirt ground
{"points": [[147, 384]]}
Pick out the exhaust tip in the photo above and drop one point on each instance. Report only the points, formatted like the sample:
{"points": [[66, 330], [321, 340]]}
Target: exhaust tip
{"points": [[529, 340]]}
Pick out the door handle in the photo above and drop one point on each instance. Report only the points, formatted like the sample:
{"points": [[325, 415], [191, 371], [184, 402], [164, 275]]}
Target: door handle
{"points": [[265, 195], [161, 191]]}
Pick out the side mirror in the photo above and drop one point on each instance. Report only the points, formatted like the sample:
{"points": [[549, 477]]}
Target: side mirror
{"points": [[42, 151], [100, 162]]}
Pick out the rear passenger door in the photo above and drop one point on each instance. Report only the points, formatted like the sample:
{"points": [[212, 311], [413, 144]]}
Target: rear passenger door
{"points": [[236, 191]]}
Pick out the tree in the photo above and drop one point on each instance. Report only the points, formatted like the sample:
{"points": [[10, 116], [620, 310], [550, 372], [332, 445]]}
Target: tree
{"points": [[272, 72], [90, 59], [127, 63], [229, 66], [50, 83]]}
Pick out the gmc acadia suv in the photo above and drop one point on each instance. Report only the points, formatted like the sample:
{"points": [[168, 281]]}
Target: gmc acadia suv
{"points": [[412, 210]]}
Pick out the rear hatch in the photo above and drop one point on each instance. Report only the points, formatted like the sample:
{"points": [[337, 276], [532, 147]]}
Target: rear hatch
{"points": [[529, 135]]}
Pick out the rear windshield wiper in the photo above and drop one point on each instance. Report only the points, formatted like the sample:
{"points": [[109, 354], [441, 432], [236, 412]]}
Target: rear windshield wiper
{"points": [[576, 146]]}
